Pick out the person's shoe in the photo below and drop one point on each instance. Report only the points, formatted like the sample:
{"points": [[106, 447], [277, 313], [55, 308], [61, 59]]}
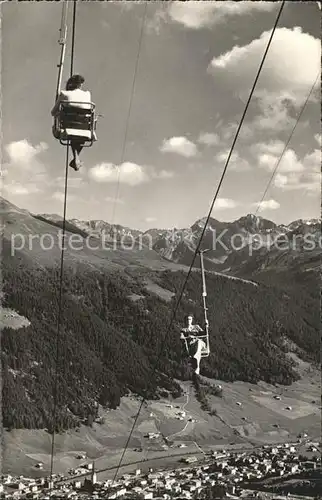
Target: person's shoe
{"points": [[75, 164], [72, 164]]}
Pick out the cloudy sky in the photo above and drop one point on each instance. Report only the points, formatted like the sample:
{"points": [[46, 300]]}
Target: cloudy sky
{"points": [[196, 66]]}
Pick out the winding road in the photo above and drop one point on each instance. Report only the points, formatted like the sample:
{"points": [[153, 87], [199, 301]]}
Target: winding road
{"points": [[183, 407]]}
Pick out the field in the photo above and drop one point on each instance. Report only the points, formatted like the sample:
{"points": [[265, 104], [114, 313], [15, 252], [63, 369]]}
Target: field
{"points": [[158, 290], [258, 419]]}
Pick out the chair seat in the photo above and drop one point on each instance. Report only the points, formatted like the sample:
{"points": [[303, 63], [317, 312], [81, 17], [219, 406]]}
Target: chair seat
{"points": [[73, 132]]}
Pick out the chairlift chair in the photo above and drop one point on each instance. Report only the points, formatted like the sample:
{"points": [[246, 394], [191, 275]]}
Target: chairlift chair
{"points": [[205, 351], [75, 121]]}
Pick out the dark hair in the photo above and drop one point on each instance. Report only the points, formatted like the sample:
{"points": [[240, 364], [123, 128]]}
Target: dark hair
{"points": [[74, 82]]}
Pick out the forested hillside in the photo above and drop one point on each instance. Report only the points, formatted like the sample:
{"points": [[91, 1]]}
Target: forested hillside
{"points": [[109, 343]]}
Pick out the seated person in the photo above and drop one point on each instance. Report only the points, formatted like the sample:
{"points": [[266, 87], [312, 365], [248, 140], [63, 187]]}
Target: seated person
{"points": [[75, 93], [194, 344]]}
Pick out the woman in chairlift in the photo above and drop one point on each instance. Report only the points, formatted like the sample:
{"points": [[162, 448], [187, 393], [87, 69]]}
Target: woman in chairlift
{"points": [[74, 93], [194, 344]]}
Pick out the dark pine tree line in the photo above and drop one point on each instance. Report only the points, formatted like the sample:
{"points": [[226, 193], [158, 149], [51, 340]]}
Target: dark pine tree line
{"points": [[110, 344]]}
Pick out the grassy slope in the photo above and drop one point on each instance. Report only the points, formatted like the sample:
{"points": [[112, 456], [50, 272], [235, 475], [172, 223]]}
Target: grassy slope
{"points": [[104, 442]]}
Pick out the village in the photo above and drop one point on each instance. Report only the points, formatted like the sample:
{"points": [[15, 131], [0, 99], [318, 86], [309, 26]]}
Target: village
{"points": [[230, 471]]}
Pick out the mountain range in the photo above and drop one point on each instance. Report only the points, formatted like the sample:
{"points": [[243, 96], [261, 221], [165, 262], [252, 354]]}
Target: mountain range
{"points": [[245, 247], [118, 294]]}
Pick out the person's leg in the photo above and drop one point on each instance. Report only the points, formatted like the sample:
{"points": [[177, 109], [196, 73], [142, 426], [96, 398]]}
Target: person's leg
{"points": [[94, 131], [77, 147], [73, 161], [197, 356], [197, 370], [194, 364]]}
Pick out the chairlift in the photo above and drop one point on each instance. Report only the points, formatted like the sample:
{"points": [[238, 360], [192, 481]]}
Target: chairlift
{"points": [[195, 330], [75, 121]]}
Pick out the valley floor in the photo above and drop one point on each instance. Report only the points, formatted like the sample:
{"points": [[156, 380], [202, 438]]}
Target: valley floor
{"points": [[176, 428]]}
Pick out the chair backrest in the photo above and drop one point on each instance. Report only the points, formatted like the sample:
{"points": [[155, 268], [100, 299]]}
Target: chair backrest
{"points": [[74, 117], [67, 108], [75, 120]]}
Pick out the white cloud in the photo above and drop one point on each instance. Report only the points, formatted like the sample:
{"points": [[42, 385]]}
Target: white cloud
{"points": [[291, 66], [104, 172], [228, 130], [23, 153], [192, 14], [209, 139], [60, 196], [179, 145], [203, 14], [150, 219], [272, 117], [24, 174], [127, 173], [267, 161], [269, 205], [270, 148], [16, 188], [280, 180], [310, 182], [302, 174], [154, 24], [318, 138], [223, 155], [312, 161], [223, 203], [273, 114], [236, 162], [289, 162]]}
